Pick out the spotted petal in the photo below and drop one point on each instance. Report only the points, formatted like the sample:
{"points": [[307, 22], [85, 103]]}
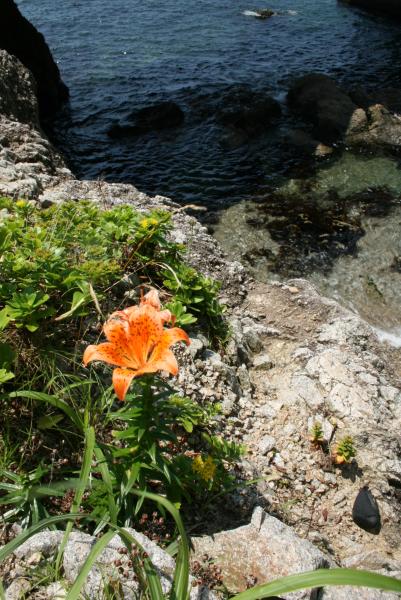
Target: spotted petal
{"points": [[163, 361], [145, 330], [122, 380], [173, 335], [105, 352], [117, 331]]}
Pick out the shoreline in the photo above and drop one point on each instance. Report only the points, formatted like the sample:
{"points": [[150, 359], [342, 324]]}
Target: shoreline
{"points": [[294, 356]]}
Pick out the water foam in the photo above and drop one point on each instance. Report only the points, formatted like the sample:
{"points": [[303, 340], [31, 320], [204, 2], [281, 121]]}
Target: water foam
{"points": [[391, 337]]}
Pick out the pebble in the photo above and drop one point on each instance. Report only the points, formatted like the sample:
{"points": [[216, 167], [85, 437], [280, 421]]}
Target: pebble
{"points": [[262, 362], [266, 444]]}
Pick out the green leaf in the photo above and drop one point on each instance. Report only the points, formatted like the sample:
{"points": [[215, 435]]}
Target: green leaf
{"points": [[5, 318], [107, 480], [27, 533], [53, 401], [7, 355], [5, 376], [83, 481], [49, 421], [180, 587], [320, 578], [79, 299], [75, 591]]}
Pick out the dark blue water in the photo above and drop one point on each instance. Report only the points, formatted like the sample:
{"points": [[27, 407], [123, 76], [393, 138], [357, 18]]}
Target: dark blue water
{"points": [[120, 55]]}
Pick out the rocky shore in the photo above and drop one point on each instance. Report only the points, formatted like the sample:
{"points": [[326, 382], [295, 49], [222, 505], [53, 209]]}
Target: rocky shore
{"points": [[294, 359]]}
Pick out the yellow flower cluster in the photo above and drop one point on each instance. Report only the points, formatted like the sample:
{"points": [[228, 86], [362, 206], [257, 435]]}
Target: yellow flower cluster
{"points": [[206, 469], [148, 222]]}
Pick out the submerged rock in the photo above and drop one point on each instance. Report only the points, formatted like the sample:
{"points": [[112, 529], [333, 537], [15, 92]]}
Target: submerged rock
{"points": [[321, 101], [20, 38], [247, 111], [159, 116]]}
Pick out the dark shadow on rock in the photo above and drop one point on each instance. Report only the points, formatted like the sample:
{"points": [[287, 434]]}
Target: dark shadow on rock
{"points": [[20, 38], [351, 471]]}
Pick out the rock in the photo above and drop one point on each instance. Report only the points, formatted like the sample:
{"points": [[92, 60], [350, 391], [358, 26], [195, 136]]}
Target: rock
{"points": [[390, 8], [322, 102], [76, 551], [262, 362], [304, 142], [17, 92], [28, 162], [323, 150], [263, 550], [247, 111], [45, 542], [337, 379], [55, 591], [20, 38], [263, 13], [365, 511], [151, 118], [380, 129], [196, 346], [355, 593], [18, 589], [266, 444]]}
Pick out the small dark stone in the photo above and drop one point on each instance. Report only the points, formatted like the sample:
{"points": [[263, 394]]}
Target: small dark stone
{"points": [[365, 511]]}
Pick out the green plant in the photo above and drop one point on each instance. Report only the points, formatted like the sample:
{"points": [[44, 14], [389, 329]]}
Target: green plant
{"points": [[344, 451], [316, 435], [149, 578], [22, 494], [198, 294]]}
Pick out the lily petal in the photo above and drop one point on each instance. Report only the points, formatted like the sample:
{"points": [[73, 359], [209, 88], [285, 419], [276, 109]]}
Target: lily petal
{"points": [[145, 330], [165, 362], [117, 332], [152, 298], [122, 380], [173, 335], [105, 352]]}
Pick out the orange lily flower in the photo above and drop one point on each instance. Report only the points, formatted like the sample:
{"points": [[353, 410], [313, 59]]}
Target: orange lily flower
{"points": [[138, 343]]}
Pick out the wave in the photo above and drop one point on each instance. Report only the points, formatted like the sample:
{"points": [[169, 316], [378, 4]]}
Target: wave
{"points": [[391, 337], [254, 13]]}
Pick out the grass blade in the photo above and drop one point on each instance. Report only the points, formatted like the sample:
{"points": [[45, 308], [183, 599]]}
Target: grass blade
{"points": [[148, 576], [27, 533], [53, 401], [75, 591], [107, 480], [320, 578], [180, 588], [83, 483]]}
